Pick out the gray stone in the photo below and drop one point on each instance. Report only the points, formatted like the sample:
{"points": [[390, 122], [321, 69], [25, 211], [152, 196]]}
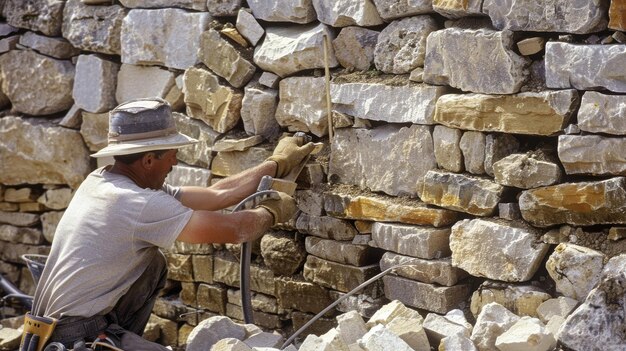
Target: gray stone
{"points": [[93, 28], [547, 16], [575, 269], [310, 202], [258, 109], [210, 331], [297, 11], [73, 118], [223, 7], [592, 154], [298, 109], [457, 343], [335, 275], [347, 13], [134, 82], [21, 235], [447, 148], [492, 321], [199, 5], [325, 227], [341, 252], [452, 324], [560, 307], [354, 47], [41, 16], [356, 156], [182, 175], [5, 28], [282, 253], [521, 300], [49, 222], [414, 241], [472, 146], [198, 154], [167, 37], [454, 57], [95, 83], [526, 171], [392, 9], [438, 271], [509, 211], [498, 146], [458, 9], [56, 47], [225, 164], [269, 80], [94, 129], [19, 219], [224, 60], [430, 297], [248, 27], [293, 293], [601, 113], [528, 333], [576, 66], [401, 46], [379, 338], [56, 199], [8, 44]]}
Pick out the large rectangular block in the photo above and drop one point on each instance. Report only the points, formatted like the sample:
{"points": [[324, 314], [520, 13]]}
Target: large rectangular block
{"points": [[335, 275], [429, 297]]}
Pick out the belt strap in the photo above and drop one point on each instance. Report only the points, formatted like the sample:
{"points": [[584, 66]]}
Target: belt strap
{"points": [[82, 328]]}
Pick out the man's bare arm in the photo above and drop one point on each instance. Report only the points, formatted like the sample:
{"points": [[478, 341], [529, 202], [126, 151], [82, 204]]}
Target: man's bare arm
{"points": [[219, 228]]}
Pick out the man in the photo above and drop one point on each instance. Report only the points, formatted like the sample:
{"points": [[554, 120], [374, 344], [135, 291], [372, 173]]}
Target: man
{"points": [[105, 268]]}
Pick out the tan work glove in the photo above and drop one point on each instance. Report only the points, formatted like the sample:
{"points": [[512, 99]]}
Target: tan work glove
{"points": [[282, 209], [288, 154]]}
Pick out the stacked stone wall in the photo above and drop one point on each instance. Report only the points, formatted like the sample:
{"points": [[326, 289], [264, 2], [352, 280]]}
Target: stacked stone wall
{"points": [[481, 141]]}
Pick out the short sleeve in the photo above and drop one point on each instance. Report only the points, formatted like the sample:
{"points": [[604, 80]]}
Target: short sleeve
{"points": [[162, 220]]}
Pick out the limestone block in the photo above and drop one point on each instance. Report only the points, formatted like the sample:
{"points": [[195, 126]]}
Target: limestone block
{"points": [[392, 9], [183, 175], [547, 16], [261, 319], [472, 145], [56, 47], [601, 113], [492, 321], [583, 203], [41, 16], [36, 84], [454, 57], [341, 252], [356, 154], [94, 130], [248, 26], [226, 271], [347, 13], [301, 295], [526, 334], [223, 7], [401, 46], [351, 327], [575, 269], [282, 253], [269, 80], [49, 222], [521, 300], [438, 327], [260, 302], [228, 144], [212, 298], [211, 330], [19, 219], [180, 267], [25, 194], [389, 103], [386, 209], [8, 44], [439, 271], [10, 338], [354, 47], [166, 37], [509, 211], [6, 29], [94, 28], [224, 60], [13, 252], [258, 108], [448, 152], [411, 331], [40, 152], [438, 299], [617, 19], [198, 154], [199, 5], [561, 307], [21, 235], [264, 340], [457, 9], [526, 171], [335, 275], [461, 192], [73, 118], [207, 100], [295, 11], [134, 82], [225, 164], [287, 50], [56, 199], [592, 154], [95, 83], [541, 113], [298, 109], [585, 67], [325, 227], [414, 241], [315, 343], [202, 268], [457, 343], [498, 146], [364, 304], [380, 338]]}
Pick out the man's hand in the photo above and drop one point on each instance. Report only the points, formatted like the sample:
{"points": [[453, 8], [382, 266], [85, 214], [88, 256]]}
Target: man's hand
{"points": [[289, 154], [281, 209]]}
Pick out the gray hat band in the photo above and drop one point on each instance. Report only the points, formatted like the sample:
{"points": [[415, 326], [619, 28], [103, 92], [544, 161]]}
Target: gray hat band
{"points": [[116, 137]]}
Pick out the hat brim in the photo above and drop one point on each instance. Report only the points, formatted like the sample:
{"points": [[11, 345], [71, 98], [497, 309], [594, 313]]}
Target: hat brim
{"points": [[174, 141]]}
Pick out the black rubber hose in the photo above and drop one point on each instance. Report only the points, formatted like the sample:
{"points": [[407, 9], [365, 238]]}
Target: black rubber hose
{"points": [[13, 292]]}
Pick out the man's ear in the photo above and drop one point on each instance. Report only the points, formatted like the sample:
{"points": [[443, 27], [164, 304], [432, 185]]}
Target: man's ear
{"points": [[147, 161]]}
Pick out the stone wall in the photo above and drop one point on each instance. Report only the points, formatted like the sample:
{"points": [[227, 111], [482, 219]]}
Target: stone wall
{"points": [[481, 141]]}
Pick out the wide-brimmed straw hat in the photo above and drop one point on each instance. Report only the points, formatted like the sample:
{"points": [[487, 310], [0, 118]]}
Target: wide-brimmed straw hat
{"points": [[142, 125]]}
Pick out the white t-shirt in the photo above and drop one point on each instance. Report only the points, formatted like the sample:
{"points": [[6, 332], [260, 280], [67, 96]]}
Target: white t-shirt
{"points": [[104, 242]]}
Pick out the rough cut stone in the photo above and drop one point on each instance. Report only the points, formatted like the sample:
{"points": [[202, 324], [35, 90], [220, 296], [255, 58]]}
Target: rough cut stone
{"points": [[298, 109], [207, 100], [498, 146], [480, 61], [547, 16], [439, 271], [521, 300], [296, 11], [447, 148], [354, 47], [5, 28], [386, 209], [228, 144], [492, 321], [356, 154], [94, 130], [56, 199], [182, 175], [501, 250], [210, 331], [325, 227], [579, 204], [36, 84], [287, 50], [452, 324], [576, 66], [392, 9], [438, 299], [575, 269], [347, 13], [8, 44], [248, 27], [42, 16], [458, 9], [592, 154], [21, 235], [527, 333], [258, 108], [223, 7], [167, 37], [335, 275], [224, 60], [460, 192], [301, 295], [199, 5], [225, 164], [617, 17], [198, 154], [19, 219], [134, 82], [95, 83], [601, 113], [472, 145], [282, 253], [56, 47], [341, 252], [560, 307], [389, 103], [351, 327], [379, 338], [526, 171], [414, 241], [542, 113], [93, 28], [226, 271], [48, 155]]}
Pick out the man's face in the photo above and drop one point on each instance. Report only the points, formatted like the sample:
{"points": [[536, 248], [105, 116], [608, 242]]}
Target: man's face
{"points": [[163, 165]]}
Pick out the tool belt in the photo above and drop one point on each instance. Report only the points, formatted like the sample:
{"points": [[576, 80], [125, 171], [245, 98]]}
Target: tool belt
{"points": [[87, 328], [37, 331]]}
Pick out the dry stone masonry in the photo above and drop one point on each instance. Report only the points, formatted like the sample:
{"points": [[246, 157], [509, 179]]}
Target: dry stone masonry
{"points": [[478, 154]]}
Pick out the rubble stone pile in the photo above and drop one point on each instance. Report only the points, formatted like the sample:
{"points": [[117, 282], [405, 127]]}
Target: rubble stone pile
{"points": [[479, 144]]}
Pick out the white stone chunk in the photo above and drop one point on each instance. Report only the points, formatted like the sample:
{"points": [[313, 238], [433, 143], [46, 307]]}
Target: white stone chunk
{"points": [[224, 59], [295, 11], [258, 109], [498, 146], [334, 340], [527, 334], [411, 331], [134, 82], [493, 320], [447, 148], [472, 145], [561, 306], [298, 109], [457, 343], [522, 300], [354, 47], [458, 9], [248, 27], [56, 199], [199, 5], [392, 9], [95, 83], [230, 344], [264, 339], [182, 175], [380, 339], [315, 343], [601, 113], [211, 330], [438, 327], [526, 171], [269, 80], [93, 28], [347, 13], [351, 327], [414, 241], [225, 8], [592, 154], [575, 269]]}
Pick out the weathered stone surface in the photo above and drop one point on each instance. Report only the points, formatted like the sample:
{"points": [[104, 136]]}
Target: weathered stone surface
{"points": [[13, 252], [223, 7], [297, 11], [438, 299], [500, 250], [287, 50], [258, 108], [182, 175], [41, 16], [575, 269], [225, 164], [10, 338], [472, 145], [592, 154], [547, 16], [335, 275], [454, 57], [347, 13], [56, 199], [521, 300], [21, 235], [448, 153], [356, 155], [439, 271], [224, 60], [298, 109], [498, 146], [212, 298], [325, 227], [56, 47], [601, 113], [527, 333], [207, 100], [401, 46], [457, 9], [50, 154], [392, 9], [49, 222], [19, 219], [389, 103], [576, 66], [542, 113], [202, 268], [584, 203], [261, 319], [617, 17], [492, 321], [460, 192], [379, 338], [93, 28], [36, 84], [341, 252], [526, 171], [226, 271], [560, 307], [452, 324], [180, 267], [95, 83], [134, 82], [354, 47], [199, 5], [414, 241], [198, 154], [248, 27], [386, 209], [282, 253], [8, 44], [243, 144], [94, 130], [210, 331], [351, 327], [167, 37], [301, 295]]}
